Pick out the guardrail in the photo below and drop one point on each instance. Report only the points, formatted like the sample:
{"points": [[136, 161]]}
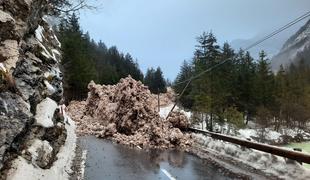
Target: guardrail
{"points": [[294, 155]]}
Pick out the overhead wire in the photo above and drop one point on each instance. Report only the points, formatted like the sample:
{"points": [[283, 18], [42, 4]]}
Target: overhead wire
{"points": [[189, 80], [300, 18]]}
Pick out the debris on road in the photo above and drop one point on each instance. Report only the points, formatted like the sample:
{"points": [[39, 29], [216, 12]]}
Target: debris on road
{"points": [[127, 113]]}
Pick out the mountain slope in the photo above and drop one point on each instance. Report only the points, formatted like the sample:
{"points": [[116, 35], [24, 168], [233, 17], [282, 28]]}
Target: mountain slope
{"points": [[295, 48]]}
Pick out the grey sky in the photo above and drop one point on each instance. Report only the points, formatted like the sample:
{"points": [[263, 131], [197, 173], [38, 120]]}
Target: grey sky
{"points": [[162, 32]]}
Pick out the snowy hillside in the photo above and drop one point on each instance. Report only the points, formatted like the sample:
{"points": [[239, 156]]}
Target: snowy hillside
{"points": [[295, 48]]}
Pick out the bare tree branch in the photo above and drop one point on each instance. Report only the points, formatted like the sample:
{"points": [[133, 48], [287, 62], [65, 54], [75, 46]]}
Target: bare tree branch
{"points": [[66, 7]]}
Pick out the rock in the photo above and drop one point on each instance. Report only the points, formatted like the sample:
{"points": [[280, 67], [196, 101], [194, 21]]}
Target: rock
{"points": [[45, 113], [179, 120], [9, 53], [175, 136], [39, 153]]}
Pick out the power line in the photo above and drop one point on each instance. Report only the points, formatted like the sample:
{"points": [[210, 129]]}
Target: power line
{"points": [[300, 18]]}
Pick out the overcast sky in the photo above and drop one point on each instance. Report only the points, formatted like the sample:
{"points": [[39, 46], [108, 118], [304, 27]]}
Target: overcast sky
{"points": [[162, 32]]}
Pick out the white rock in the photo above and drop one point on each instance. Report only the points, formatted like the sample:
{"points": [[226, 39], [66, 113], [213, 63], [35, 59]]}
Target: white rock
{"points": [[40, 151], [45, 112], [5, 17], [9, 49], [2, 68]]}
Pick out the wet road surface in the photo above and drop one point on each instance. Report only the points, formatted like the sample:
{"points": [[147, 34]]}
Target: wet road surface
{"points": [[106, 160]]}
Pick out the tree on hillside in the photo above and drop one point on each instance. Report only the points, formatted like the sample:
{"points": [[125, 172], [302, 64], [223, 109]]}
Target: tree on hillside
{"points": [[243, 87], [155, 81], [78, 68], [264, 82], [185, 73], [205, 95], [160, 81], [244, 84], [85, 60]]}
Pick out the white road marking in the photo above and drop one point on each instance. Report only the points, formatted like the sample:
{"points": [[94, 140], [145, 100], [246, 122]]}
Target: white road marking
{"points": [[84, 154], [168, 174]]}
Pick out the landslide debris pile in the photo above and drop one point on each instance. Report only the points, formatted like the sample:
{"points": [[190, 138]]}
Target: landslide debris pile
{"points": [[127, 113], [166, 98]]}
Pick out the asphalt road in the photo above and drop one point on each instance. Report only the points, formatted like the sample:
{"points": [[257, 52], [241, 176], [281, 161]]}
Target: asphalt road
{"points": [[106, 160]]}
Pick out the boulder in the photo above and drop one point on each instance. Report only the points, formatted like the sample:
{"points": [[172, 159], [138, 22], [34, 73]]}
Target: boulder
{"points": [[39, 153]]}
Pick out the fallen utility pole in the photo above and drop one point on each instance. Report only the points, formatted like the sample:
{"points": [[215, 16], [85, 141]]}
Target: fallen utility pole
{"points": [[294, 155]]}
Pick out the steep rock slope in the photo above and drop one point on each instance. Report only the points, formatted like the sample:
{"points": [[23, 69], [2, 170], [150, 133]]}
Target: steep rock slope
{"points": [[295, 48], [32, 125]]}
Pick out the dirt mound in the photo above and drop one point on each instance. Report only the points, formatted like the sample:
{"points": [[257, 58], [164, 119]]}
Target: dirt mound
{"points": [[127, 113], [166, 98], [179, 120]]}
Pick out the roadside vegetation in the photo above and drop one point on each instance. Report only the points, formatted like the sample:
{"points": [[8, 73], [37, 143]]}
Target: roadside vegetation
{"points": [[85, 60], [243, 89]]}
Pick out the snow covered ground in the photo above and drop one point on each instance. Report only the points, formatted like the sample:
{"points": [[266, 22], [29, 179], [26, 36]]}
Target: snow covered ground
{"points": [[164, 111], [250, 132], [268, 163], [254, 134]]}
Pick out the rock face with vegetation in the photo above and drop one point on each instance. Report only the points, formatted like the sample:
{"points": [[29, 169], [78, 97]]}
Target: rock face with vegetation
{"points": [[128, 114], [32, 126]]}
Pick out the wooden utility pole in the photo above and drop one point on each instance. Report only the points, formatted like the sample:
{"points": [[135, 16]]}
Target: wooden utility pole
{"points": [[158, 100]]}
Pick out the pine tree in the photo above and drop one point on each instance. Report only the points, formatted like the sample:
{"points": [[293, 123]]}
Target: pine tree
{"points": [[245, 84], [207, 55], [264, 90], [85, 60], [155, 81], [185, 73]]}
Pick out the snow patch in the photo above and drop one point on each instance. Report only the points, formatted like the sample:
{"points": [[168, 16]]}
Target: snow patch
{"points": [[2, 68], [253, 133], [164, 111], [47, 54], [39, 33], [247, 133], [265, 162], [55, 51], [56, 39], [45, 112]]}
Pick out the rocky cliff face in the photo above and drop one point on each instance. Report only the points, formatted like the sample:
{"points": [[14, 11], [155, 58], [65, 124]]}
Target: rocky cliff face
{"points": [[297, 47], [32, 126]]}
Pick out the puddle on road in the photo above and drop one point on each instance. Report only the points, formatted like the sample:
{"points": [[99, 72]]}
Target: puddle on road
{"points": [[106, 160]]}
